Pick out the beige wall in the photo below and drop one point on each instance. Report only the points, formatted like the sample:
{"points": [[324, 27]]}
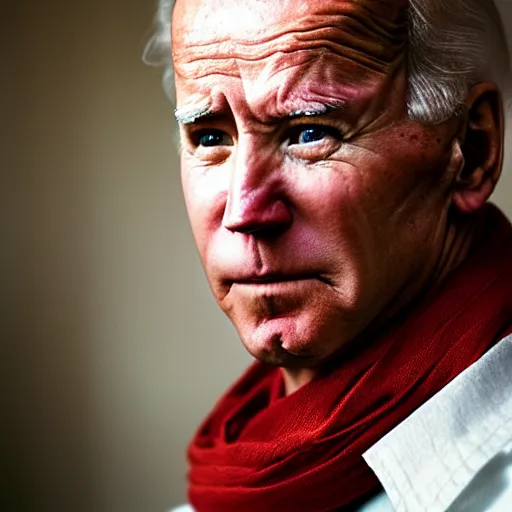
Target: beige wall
{"points": [[114, 348]]}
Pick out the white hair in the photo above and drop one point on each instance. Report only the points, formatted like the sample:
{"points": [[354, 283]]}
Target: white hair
{"points": [[452, 45]]}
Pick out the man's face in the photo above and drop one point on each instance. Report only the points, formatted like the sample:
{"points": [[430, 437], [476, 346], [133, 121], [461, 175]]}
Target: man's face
{"points": [[319, 209]]}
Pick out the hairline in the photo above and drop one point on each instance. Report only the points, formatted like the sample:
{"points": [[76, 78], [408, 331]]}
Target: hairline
{"points": [[442, 63]]}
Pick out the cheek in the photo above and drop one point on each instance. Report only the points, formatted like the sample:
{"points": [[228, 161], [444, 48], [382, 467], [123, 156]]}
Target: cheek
{"points": [[329, 200], [333, 206], [205, 193], [371, 202], [406, 169], [336, 194]]}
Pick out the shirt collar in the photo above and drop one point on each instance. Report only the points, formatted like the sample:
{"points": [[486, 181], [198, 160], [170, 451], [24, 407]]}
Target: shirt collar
{"points": [[428, 460]]}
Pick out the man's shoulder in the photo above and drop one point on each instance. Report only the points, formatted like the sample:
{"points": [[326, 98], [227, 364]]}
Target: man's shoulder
{"points": [[444, 450]]}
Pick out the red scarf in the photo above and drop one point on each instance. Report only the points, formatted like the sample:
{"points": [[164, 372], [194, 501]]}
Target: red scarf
{"points": [[259, 451]]}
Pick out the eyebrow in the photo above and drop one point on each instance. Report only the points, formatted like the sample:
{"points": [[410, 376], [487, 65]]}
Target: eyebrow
{"points": [[324, 109], [187, 115]]}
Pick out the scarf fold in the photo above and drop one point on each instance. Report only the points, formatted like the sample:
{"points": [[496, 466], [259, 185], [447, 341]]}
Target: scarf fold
{"points": [[261, 451]]}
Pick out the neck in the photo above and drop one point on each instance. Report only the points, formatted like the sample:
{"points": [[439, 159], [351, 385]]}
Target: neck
{"points": [[456, 245], [458, 240], [297, 377]]}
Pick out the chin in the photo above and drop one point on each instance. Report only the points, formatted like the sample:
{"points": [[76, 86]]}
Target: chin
{"points": [[279, 356], [281, 345], [293, 324]]}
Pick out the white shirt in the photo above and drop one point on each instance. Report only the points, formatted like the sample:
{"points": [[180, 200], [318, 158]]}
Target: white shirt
{"points": [[454, 453]]}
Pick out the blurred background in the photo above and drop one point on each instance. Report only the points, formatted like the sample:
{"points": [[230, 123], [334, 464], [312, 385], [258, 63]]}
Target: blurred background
{"points": [[112, 348]]}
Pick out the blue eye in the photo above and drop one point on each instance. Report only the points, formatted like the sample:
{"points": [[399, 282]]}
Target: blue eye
{"points": [[312, 133], [212, 138]]}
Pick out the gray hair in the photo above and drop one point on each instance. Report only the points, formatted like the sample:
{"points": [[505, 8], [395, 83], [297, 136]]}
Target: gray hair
{"points": [[453, 44]]}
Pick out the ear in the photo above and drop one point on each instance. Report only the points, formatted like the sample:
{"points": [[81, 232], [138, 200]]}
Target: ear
{"points": [[482, 148]]}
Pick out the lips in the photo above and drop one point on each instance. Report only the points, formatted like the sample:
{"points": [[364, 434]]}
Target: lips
{"points": [[270, 278]]}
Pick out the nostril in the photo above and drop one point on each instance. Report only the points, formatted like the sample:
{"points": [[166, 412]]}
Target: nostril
{"points": [[266, 232], [259, 219], [257, 216]]}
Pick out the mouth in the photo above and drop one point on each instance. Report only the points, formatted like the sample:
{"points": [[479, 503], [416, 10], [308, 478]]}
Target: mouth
{"points": [[272, 278]]}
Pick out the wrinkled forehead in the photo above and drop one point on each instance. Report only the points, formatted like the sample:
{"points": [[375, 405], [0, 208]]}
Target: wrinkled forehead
{"points": [[240, 28], [240, 17]]}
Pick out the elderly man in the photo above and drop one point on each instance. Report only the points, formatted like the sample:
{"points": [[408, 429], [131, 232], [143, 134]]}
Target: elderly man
{"points": [[337, 157]]}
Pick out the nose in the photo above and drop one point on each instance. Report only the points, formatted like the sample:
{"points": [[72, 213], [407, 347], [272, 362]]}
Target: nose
{"points": [[256, 201]]}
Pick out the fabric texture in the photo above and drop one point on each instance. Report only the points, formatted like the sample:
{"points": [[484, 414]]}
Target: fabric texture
{"points": [[259, 450], [457, 442]]}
